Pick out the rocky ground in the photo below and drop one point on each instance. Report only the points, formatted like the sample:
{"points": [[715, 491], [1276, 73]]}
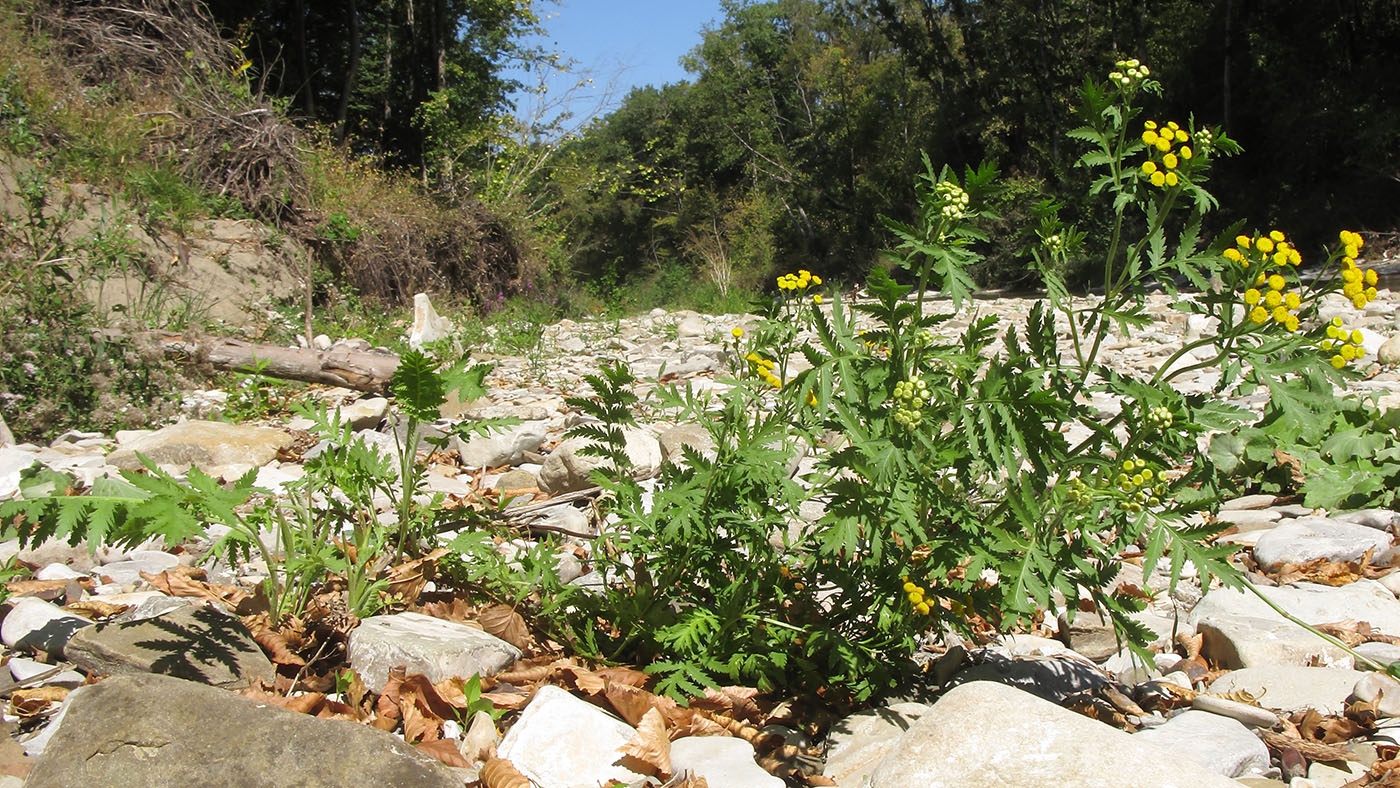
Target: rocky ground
{"points": [[1237, 694]]}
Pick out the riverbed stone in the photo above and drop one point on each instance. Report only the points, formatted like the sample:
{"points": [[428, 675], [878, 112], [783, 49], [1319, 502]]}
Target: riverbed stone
{"points": [[984, 733], [1220, 744], [723, 761], [856, 744], [437, 648], [215, 447], [1308, 538], [507, 446], [561, 741], [158, 730], [567, 469], [1290, 688], [43, 626], [193, 643]]}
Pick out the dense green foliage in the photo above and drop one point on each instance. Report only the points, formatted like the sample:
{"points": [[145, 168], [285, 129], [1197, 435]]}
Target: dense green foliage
{"points": [[803, 117]]}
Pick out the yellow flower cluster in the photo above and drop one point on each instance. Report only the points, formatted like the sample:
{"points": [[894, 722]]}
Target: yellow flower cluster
{"points": [[1359, 284], [763, 368], [1344, 345], [1127, 72], [1143, 485], [955, 199], [1167, 153], [911, 395], [1269, 297], [801, 280], [917, 596]]}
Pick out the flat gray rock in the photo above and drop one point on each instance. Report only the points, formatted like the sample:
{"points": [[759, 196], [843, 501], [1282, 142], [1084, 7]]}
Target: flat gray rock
{"points": [[193, 643], [1290, 688], [422, 644], [856, 744], [1309, 538], [724, 762], [1218, 743], [157, 730], [987, 734], [561, 741], [566, 469], [505, 447], [214, 447]]}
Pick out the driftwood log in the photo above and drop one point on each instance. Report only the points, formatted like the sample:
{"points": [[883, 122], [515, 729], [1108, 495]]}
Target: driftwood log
{"points": [[335, 367]]}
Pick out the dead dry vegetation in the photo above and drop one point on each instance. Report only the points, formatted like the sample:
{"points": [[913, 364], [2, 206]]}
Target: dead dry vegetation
{"points": [[127, 96]]}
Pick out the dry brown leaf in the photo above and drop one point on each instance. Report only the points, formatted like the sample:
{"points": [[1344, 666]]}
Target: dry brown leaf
{"points": [[455, 610], [510, 701], [306, 703], [96, 608], [1329, 730], [1313, 751], [444, 750], [819, 780], [418, 724], [631, 703], [432, 701], [501, 773], [275, 643], [1321, 571], [698, 725], [29, 702], [737, 702], [407, 580], [506, 624], [531, 675], [649, 751], [356, 692], [188, 583], [49, 589]]}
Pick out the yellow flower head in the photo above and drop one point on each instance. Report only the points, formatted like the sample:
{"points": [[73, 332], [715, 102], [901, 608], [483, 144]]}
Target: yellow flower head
{"points": [[1272, 299], [1149, 167], [1252, 296], [1243, 241], [1150, 125], [1259, 314], [1171, 178], [1170, 161], [1280, 314], [1185, 152], [1276, 282], [817, 299], [737, 332], [1292, 300], [1163, 144], [1264, 245], [1276, 236], [1233, 255], [1158, 179], [1149, 137]]}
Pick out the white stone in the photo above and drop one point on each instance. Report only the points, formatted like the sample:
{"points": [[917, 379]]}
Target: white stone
{"points": [[1308, 538], [364, 414], [857, 743], [565, 469], [437, 648], [1382, 689], [23, 669], [984, 734], [503, 447], [428, 325], [57, 571], [34, 623], [1364, 600], [1290, 688], [1388, 354], [724, 762], [129, 571], [561, 741], [1240, 712], [1220, 744]]}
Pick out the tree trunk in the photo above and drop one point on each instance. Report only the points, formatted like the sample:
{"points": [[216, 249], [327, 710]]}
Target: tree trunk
{"points": [[308, 93], [352, 70], [347, 368]]}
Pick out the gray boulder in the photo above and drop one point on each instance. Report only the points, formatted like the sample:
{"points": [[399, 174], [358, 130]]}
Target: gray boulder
{"points": [[506, 447], [984, 734], [158, 730], [193, 643], [1218, 743], [436, 648], [566, 469], [215, 447], [1308, 538]]}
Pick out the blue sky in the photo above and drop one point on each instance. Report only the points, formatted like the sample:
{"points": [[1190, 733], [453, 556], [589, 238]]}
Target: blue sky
{"points": [[622, 44]]}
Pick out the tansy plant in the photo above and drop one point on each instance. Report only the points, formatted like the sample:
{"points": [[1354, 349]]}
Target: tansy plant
{"points": [[960, 479]]}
